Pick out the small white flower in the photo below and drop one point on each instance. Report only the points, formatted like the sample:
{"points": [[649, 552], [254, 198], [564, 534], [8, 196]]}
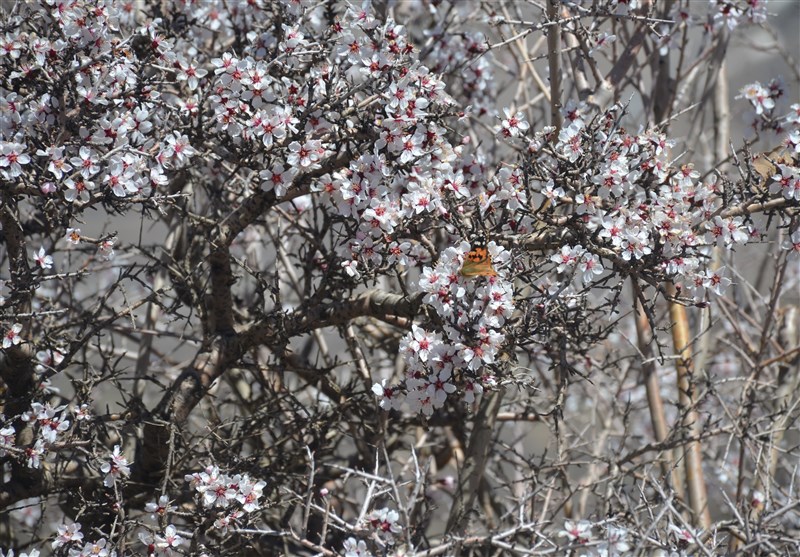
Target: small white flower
{"points": [[169, 541], [43, 260], [106, 249], [390, 397], [66, 534], [12, 337], [159, 508], [356, 548], [116, 467], [578, 532], [73, 236]]}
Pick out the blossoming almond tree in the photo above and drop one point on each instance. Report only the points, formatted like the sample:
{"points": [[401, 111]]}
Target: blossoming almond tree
{"points": [[317, 277]]}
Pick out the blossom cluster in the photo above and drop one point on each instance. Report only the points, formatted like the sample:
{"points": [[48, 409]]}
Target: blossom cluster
{"points": [[235, 496], [162, 541], [614, 541], [50, 425], [326, 112], [69, 536], [125, 142], [474, 311], [635, 208], [467, 55], [385, 523], [162, 544]]}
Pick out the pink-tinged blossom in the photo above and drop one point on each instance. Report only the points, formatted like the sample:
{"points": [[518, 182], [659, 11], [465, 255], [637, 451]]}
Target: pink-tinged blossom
{"points": [[577, 532], [12, 338], [110, 132], [215, 488], [410, 147], [12, 157], [567, 258], [475, 357], [34, 455], [615, 544], [419, 401], [227, 520], [724, 13], [168, 541], [786, 182], [792, 245], [249, 494], [356, 548], [179, 148], [94, 549], [7, 436], [43, 260], [191, 74], [390, 397], [684, 535], [602, 41], [148, 539], [514, 124], [51, 421], [471, 390], [758, 96], [141, 126], [48, 360], [757, 500], [158, 508], [306, 155], [10, 46], [793, 118], [421, 342], [386, 522], [67, 533], [399, 253], [86, 162], [552, 192], [200, 479], [83, 413], [635, 244], [78, 190], [439, 386], [58, 165], [269, 127], [728, 231], [120, 179], [715, 281], [257, 84], [277, 178], [106, 248], [115, 468], [27, 511], [590, 267]]}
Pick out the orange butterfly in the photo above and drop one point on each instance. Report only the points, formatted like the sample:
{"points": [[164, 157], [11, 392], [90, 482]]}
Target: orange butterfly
{"points": [[478, 263]]}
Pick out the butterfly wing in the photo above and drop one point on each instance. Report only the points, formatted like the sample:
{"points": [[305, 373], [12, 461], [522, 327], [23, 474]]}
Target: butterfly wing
{"points": [[765, 164], [478, 263]]}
